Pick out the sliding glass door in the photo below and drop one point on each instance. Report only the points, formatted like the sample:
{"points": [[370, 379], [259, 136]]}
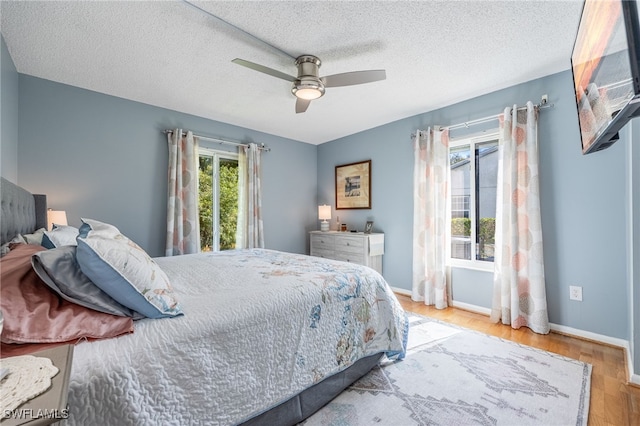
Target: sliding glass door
{"points": [[218, 199]]}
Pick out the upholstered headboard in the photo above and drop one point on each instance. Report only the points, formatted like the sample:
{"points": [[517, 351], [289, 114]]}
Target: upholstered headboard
{"points": [[22, 212]]}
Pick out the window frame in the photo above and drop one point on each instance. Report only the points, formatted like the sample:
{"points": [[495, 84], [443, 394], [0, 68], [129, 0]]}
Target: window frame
{"points": [[473, 263], [216, 155]]}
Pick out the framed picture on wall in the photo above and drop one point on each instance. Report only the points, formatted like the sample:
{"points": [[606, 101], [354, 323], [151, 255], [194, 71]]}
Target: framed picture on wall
{"points": [[353, 185]]}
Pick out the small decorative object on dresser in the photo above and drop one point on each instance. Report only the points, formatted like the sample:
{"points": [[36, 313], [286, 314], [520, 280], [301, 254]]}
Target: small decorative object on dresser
{"points": [[368, 227], [353, 185], [357, 247]]}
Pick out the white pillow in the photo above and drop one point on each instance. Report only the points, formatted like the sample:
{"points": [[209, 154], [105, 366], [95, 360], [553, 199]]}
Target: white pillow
{"points": [[124, 271], [60, 236], [35, 238]]}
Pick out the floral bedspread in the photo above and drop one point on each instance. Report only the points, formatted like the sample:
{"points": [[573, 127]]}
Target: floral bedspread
{"points": [[259, 327]]}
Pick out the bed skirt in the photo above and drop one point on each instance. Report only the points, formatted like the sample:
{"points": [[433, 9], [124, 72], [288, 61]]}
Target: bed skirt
{"points": [[310, 400]]}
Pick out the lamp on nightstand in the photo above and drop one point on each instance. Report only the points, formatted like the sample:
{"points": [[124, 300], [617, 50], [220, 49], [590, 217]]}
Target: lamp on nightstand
{"points": [[324, 214], [58, 217]]}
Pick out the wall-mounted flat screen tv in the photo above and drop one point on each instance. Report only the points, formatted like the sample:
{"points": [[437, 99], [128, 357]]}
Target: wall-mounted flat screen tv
{"points": [[606, 70]]}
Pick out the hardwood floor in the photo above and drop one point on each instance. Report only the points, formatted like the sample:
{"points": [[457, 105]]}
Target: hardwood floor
{"points": [[612, 402]]}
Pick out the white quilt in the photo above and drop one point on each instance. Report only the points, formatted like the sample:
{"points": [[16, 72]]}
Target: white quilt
{"points": [[259, 327]]}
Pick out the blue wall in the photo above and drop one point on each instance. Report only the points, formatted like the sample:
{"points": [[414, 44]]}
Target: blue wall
{"points": [[105, 158], [583, 205], [8, 115]]}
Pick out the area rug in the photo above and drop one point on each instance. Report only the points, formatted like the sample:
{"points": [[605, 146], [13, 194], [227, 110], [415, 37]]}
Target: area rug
{"points": [[456, 376]]}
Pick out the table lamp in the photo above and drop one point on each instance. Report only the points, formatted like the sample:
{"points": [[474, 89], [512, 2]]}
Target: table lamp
{"points": [[57, 217], [324, 214]]}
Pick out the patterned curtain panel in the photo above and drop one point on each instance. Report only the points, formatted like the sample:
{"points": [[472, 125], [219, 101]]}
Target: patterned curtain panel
{"points": [[183, 234], [519, 296], [241, 226], [430, 212], [250, 233]]}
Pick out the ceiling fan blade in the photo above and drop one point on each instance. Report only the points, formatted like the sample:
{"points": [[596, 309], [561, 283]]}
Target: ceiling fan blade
{"points": [[354, 77], [302, 105], [263, 69]]}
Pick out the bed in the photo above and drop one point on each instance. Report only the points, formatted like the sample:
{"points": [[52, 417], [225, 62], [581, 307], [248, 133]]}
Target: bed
{"points": [[259, 337]]}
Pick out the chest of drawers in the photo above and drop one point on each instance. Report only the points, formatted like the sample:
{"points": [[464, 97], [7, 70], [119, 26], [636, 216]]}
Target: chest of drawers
{"points": [[360, 248]]}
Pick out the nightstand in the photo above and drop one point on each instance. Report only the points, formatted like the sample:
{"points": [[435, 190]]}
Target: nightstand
{"points": [[50, 406]]}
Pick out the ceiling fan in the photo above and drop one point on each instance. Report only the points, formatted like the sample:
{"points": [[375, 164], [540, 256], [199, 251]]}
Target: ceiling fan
{"points": [[308, 85]]}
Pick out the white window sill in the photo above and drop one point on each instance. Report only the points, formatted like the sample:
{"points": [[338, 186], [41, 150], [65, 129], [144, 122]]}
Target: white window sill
{"points": [[470, 264]]}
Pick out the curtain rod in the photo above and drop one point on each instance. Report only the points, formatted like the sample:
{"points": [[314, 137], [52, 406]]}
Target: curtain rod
{"points": [[220, 141], [542, 105]]}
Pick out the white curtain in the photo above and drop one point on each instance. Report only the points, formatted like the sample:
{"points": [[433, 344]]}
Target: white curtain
{"points": [[183, 234], [250, 232], [519, 296], [430, 212]]}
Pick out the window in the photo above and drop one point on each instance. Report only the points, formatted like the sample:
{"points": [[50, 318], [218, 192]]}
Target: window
{"points": [[474, 166], [460, 205], [218, 199]]}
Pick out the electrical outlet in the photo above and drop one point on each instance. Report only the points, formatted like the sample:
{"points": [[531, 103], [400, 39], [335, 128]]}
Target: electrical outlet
{"points": [[575, 293]]}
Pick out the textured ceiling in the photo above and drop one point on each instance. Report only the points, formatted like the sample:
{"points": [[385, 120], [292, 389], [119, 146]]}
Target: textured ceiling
{"points": [[172, 55]]}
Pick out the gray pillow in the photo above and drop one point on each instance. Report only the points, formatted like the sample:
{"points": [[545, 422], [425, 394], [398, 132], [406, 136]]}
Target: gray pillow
{"points": [[60, 271]]}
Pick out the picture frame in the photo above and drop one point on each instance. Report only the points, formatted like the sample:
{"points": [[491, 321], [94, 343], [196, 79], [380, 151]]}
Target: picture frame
{"points": [[353, 185], [368, 227]]}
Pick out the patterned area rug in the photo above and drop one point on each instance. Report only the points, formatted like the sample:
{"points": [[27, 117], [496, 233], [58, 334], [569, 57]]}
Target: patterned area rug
{"points": [[456, 376]]}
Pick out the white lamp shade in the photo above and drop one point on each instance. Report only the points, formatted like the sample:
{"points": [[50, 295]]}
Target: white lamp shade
{"points": [[59, 217], [324, 212]]}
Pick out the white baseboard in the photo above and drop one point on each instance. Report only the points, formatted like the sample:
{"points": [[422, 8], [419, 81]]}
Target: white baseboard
{"points": [[455, 304], [401, 291], [613, 341], [471, 308], [633, 378], [600, 338]]}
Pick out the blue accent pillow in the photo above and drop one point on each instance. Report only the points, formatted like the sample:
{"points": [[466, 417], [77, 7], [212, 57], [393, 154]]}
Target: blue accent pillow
{"points": [[124, 271]]}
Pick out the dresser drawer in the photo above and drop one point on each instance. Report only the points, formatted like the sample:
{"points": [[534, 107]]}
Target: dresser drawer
{"points": [[358, 258], [326, 254], [322, 242], [350, 244]]}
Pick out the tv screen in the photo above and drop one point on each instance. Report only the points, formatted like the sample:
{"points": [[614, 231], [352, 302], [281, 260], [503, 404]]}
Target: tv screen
{"points": [[606, 70]]}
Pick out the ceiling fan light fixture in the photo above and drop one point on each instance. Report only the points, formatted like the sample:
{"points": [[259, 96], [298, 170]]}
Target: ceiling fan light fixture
{"points": [[307, 90], [308, 85]]}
